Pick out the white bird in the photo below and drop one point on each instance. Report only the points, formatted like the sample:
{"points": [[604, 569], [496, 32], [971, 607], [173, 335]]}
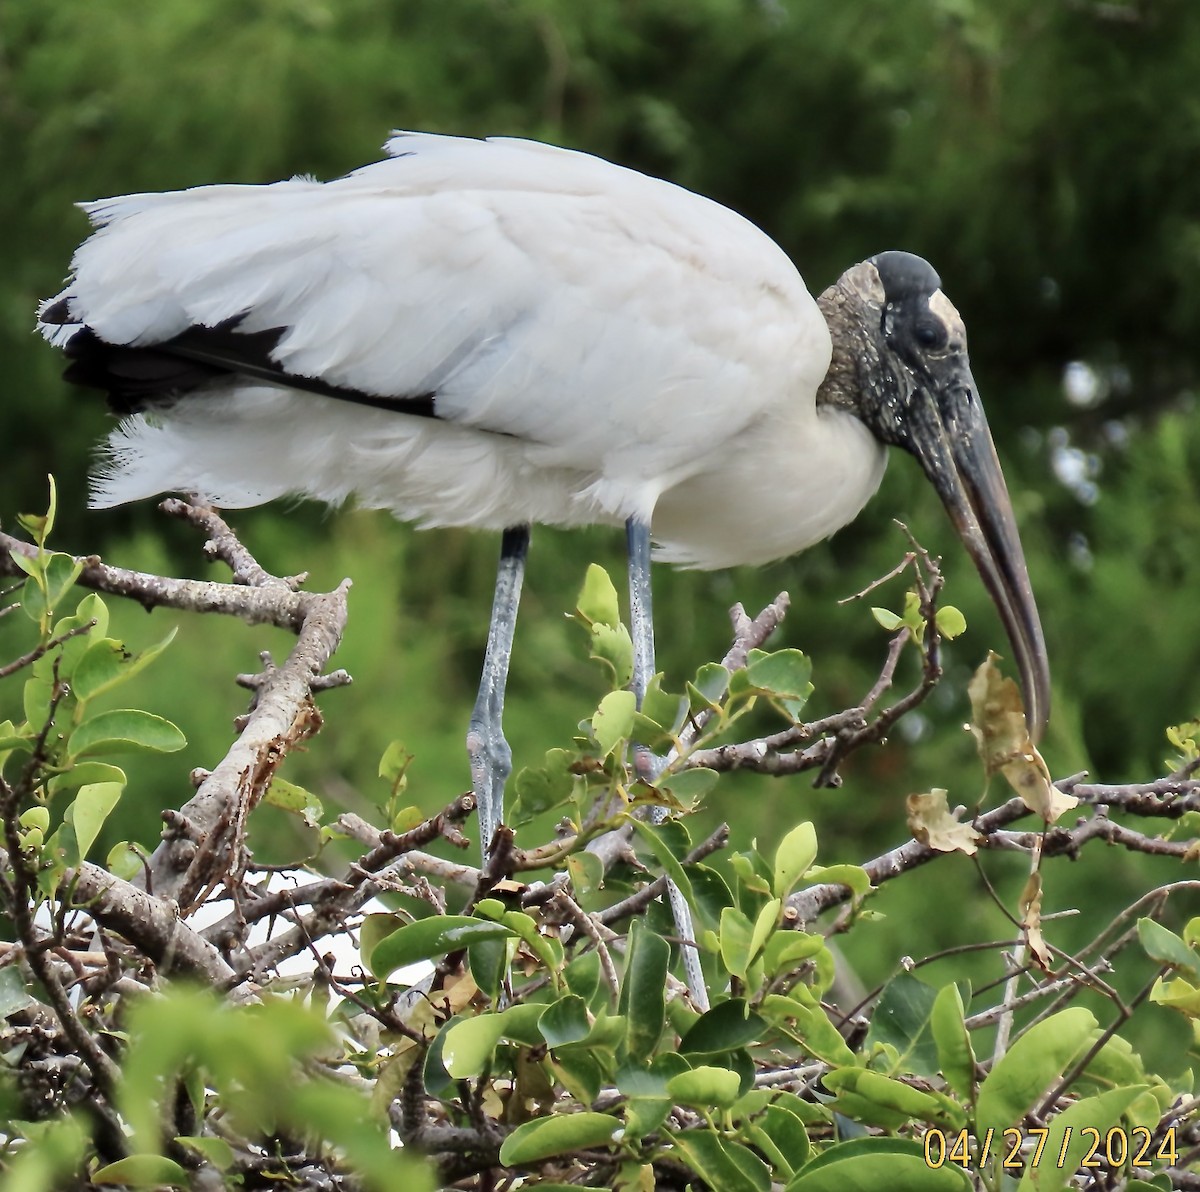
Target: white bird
{"points": [[496, 333]]}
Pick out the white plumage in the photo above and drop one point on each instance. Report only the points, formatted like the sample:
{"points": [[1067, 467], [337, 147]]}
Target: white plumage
{"points": [[602, 345], [501, 332]]}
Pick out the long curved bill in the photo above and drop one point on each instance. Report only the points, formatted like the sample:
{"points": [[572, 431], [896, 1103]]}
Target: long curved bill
{"points": [[949, 436]]}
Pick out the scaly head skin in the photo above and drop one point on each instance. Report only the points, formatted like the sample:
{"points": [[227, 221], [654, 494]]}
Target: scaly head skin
{"points": [[900, 365]]}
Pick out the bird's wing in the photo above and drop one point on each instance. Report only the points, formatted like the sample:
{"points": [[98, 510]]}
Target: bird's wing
{"points": [[530, 291]]}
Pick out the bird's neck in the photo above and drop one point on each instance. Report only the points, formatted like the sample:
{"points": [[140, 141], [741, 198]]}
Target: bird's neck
{"points": [[855, 358]]}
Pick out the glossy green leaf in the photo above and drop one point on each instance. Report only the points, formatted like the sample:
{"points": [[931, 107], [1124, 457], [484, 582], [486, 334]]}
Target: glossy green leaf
{"points": [[470, 1044], [81, 773], [765, 925], [488, 961], [106, 664], [871, 1164], [950, 622], [559, 1134], [956, 1056], [893, 1096], [581, 1072], [720, 1163], [612, 721], [215, 1150], [13, 994], [1028, 1068], [902, 1020], [613, 645], [141, 1171], [60, 575], [782, 673], [736, 934], [854, 877], [643, 990], [689, 786], [796, 852], [726, 1026], [1166, 947], [428, 939], [1059, 1165], [91, 807], [122, 730], [295, 800], [705, 1086], [542, 788], [565, 1021], [887, 619], [597, 602]]}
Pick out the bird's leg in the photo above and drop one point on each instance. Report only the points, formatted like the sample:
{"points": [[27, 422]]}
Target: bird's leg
{"points": [[487, 750], [641, 625], [641, 630]]}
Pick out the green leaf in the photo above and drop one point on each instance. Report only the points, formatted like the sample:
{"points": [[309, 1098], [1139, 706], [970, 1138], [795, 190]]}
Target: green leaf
{"points": [[61, 573], [125, 861], [783, 673], [106, 664], [613, 645], [295, 800], [788, 1135], [887, 619], [689, 786], [89, 810], [901, 1021], [142, 1171], [1099, 1113], [558, 1134], [643, 990], [869, 1164], [722, 1164], [1166, 947], [597, 602], [430, 938], [891, 1096], [488, 961], [581, 1072], [709, 686], [394, 763], [854, 877], [796, 852], [705, 1086], [543, 788], [565, 1021], [470, 1044], [1027, 1070], [664, 708], [950, 622], [723, 1029], [736, 935], [82, 773], [612, 721], [13, 994], [582, 976], [809, 1026], [956, 1056], [122, 730], [215, 1150]]}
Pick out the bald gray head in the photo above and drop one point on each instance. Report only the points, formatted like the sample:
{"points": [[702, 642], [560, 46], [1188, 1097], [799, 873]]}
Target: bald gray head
{"points": [[900, 365]]}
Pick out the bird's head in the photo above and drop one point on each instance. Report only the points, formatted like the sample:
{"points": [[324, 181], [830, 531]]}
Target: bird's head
{"points": [[900, 365]]}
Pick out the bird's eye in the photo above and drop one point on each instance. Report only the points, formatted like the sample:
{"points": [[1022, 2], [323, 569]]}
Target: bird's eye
{"points": [[930, 333]]}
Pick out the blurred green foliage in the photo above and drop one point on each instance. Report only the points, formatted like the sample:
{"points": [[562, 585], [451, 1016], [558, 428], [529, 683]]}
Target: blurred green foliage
{"points": [[1041, 155]]}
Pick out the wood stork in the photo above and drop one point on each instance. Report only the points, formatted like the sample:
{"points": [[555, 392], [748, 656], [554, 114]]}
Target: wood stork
{"points": [[492, 333]]}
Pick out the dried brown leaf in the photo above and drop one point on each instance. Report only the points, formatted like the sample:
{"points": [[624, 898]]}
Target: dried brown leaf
{"points": [[1031, 921], [998, 723], [933, 823]]}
